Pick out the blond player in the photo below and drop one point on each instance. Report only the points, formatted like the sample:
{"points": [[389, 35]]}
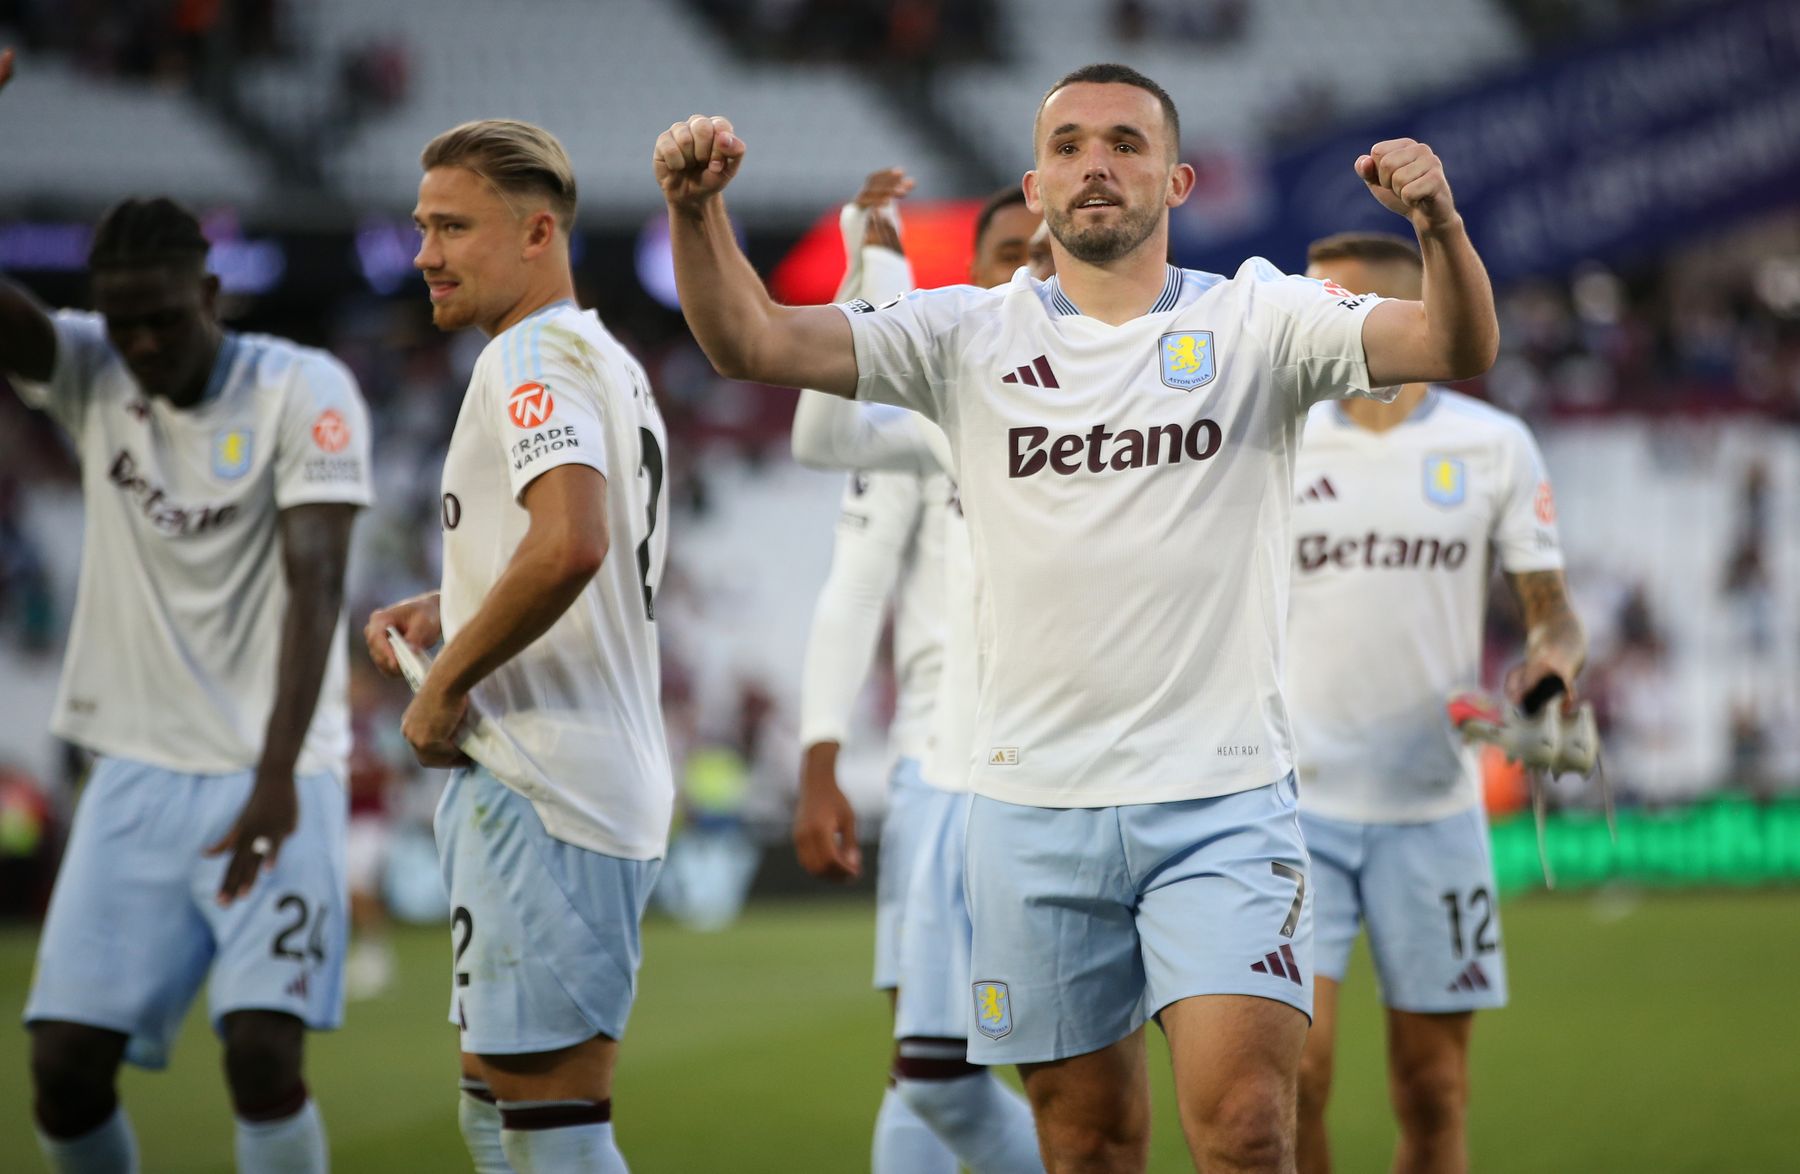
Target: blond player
{"points": [[1403, 510], [554, 541], [1124, 437]]}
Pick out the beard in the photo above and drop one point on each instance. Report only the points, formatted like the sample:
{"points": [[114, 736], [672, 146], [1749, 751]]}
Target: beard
{"points": [[1100, 243]]}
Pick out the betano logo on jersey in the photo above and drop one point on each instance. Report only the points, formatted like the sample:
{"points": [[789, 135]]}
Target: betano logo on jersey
{"points": [[1446, 481], [1032, 448], [231, 453], [1373, 551], [529, 405], [1187, 359], [153, 501]]}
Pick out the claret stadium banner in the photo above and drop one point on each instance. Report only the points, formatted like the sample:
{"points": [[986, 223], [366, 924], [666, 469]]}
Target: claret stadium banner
{"points": [[1616, 149]]}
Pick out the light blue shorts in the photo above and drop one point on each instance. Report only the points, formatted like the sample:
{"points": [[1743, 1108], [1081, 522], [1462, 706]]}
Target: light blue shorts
{"points": [[901, 840], [134, 927], [1426, 891], [544, 935], [1089, 920], [935, 931]]}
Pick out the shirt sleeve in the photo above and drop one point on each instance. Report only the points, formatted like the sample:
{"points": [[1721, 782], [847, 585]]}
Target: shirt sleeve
{"points": [[1313, 331], [82, 350], [880, 515], [832, 433], [1525, 536], [550, 406], [322, 451], [905, 350]]}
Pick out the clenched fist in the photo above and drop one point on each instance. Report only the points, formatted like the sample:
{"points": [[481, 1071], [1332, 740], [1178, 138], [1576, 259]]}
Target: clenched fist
{"points": [[696, 159], [1408, 179]]}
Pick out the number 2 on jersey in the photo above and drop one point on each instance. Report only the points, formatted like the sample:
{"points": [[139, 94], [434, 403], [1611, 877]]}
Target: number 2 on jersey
{"points": [[653, 465]]}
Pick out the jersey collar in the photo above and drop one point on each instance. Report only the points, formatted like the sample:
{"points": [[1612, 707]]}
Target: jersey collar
{"points": [[221, 370], [1168, 300], [1427, 404]]}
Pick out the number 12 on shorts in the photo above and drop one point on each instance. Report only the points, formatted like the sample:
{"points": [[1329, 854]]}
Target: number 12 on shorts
{"points": [[1478, 910]]}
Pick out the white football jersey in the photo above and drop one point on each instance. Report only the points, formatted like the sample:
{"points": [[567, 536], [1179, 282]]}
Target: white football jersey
{"points": [[889, 544], [578, 713], [176, 640], [1397, 533], [953, 715], [1128, 491]]}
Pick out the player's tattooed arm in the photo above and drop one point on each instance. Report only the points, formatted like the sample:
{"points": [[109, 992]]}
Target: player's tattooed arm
{"points": [[1555, 643], [315, 549]]}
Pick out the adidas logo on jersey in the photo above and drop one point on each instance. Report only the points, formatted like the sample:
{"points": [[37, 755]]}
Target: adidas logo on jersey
{"points": [[1319, 490], [1373, 550], [1033, 448], [1281, 964], [1473, 978], [1037, 373]]}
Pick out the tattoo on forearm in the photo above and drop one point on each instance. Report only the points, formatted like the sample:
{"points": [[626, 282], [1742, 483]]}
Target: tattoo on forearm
{"points": [[1551, 627]]}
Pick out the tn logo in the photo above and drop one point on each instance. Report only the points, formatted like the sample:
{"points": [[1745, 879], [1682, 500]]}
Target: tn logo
{"points": [[530, 405]]}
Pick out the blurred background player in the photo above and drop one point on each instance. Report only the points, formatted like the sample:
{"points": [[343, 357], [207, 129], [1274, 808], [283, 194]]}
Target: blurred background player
{"points": [[555, 538], [964, 1114], [374, 782], [1102, 823], [889, 545], [206, 669], [1403, 509]]}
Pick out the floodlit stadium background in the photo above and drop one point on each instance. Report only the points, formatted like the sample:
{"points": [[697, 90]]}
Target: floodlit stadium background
{"points": [[1628, 169]]}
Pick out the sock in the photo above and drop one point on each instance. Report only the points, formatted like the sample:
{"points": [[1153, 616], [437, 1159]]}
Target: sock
{"points": [[553, 1137], [984, 1122], [906, 1145], [479, 1118], [108, 1148], [289, 1145]]}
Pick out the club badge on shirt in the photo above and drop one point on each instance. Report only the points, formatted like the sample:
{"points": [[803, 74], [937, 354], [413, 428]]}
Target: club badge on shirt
{"points": [[231, 453], [1446, 481], [1187, 359]]}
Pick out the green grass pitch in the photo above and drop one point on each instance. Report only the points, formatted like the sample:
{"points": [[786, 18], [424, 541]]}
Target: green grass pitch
{"points": [[1647, 1033]]}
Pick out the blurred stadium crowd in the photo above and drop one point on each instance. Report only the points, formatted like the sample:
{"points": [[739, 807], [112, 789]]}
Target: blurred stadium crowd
{"points": [[1664, 384]]}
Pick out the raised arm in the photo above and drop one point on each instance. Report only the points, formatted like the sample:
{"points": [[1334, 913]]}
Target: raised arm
{"points": [[27, 339], [743, 331], [1452, 331]]}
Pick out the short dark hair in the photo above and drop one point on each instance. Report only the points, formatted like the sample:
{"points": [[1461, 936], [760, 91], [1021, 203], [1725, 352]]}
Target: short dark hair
{"points": [[1382, 247], [1124, 75], [135, 234], [992, 206]]}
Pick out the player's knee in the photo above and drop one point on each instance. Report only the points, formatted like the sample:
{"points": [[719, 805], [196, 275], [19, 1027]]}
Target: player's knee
{"points": [[941, 1101], [1093, 1141], [1251, 1127], [72, 1074], [1430, 1098], [263, 1064]]}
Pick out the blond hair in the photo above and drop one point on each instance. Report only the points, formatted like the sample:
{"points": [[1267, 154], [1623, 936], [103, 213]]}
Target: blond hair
{"points": [[517, 158]]}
